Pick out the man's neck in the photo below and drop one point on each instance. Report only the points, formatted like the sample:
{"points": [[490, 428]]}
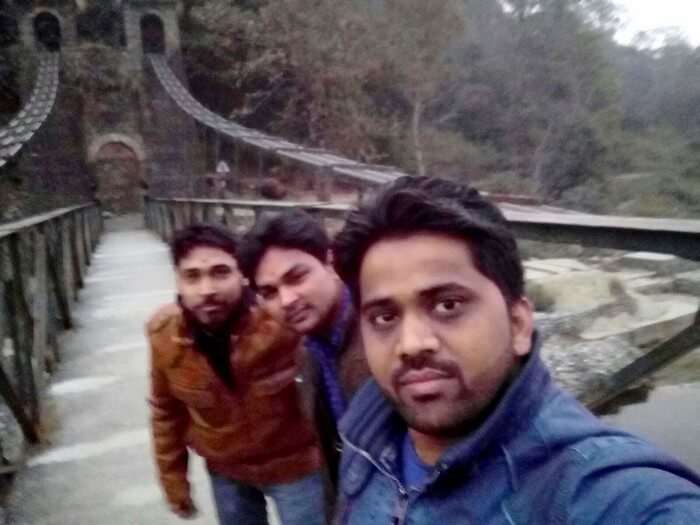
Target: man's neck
{"points": [[326, 326], [430, 448]]}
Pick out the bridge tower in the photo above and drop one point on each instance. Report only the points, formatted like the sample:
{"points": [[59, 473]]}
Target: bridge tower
{"points": [[50, 170], [173, 160]]}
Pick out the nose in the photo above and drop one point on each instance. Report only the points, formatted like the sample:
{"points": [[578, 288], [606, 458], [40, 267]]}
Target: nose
{"points": [[416, 337], [287, 296], [206, 287]]}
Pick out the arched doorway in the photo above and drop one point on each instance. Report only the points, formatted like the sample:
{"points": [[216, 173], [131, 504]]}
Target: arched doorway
{"points": [[47, 31], [152, 34], [117, 169]]}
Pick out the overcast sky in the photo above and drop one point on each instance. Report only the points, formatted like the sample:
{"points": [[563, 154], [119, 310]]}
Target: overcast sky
{"points": [[644, 15]]}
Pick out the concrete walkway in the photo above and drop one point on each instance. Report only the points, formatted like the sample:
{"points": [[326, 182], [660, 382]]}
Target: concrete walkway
{"points": [[96, 467]]}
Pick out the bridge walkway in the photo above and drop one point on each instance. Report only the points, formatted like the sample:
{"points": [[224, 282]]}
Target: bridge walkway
{"points": [[95, 466]]}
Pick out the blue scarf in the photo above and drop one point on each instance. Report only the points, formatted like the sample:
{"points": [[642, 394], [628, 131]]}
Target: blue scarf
{"points": [[326, 351]]}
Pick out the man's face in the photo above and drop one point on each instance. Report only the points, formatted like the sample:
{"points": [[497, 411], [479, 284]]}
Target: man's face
{"points": [[296, 288], [440, 339], [210, 285]]}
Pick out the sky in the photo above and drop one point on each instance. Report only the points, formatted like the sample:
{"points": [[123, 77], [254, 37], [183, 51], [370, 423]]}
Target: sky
{"points": [[644, 15]]}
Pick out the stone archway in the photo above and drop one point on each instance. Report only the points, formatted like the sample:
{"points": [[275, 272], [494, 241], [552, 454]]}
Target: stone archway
{"points": [[118, 170], [152, 34], [48, 30]]}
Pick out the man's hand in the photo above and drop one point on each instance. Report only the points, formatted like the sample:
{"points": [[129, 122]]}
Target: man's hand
{"points": [[185, 510]]}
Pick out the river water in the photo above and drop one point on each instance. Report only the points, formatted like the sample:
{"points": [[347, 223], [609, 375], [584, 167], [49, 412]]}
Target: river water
{"points": [[668, 417]]}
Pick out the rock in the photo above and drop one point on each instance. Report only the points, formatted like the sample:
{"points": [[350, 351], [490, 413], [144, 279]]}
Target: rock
{"points": [[656, 319], [573, 292], [661, 263], [688, 283], [650, 285]]}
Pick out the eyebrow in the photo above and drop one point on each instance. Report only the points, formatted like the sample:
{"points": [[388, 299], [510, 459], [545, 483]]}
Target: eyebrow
{"points": [[428, 293], [296, 268], [285, 275]]}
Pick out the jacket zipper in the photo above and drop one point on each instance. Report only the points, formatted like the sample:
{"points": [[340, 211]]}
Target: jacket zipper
{"points": [[401, 507]]}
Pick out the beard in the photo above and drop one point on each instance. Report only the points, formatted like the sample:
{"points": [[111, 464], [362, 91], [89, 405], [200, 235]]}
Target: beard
{"points": [[454, 412], [230, 318]]}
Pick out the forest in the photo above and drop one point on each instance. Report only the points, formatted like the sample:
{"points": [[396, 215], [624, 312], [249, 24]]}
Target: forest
{"points": [[531, 97]]}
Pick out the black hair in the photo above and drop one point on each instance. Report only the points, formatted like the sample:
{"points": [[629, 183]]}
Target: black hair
{"points": [[196, 235], [294, 229], [429, 204]]}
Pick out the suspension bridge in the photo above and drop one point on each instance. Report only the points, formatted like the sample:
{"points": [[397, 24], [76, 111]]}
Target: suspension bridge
{"points": [[76, 287]]}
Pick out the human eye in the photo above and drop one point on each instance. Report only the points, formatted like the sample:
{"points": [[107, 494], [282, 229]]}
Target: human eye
{"points": [[267, 293], [382, 319], [221, 272], [296, 277], [191, 276], [449, 306]]}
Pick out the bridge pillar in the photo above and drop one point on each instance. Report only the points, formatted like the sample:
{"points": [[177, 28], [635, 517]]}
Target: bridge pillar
{"points": [[134, 13], [66, 23], [173, 154]]}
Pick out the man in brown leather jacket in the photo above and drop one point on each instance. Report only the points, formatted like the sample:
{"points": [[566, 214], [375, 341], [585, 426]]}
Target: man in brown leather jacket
{"points": [[288, 259], [222, 384]]}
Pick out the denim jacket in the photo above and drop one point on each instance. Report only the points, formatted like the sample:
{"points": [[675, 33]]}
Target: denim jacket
{"points": [[539, 458]]}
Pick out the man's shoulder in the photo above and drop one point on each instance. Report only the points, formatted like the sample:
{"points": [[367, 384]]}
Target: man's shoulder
{"points": [[262, 331], [163, 317], [615, 476]]}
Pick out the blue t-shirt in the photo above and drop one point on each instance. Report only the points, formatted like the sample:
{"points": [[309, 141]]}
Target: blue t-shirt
{"points": [[414, 471]]}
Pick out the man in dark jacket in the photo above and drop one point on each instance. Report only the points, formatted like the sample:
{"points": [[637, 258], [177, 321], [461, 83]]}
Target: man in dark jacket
{"points": [[462, 423], [222, 384], [287, 258]]}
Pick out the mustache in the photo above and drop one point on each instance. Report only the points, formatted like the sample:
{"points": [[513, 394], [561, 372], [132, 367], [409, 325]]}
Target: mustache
{"points": [[294, 308], [424, 360]]}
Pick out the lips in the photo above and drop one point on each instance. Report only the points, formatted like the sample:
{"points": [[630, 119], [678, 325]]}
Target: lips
{"points": [[211, 308], [424, 382], [298, 315]]}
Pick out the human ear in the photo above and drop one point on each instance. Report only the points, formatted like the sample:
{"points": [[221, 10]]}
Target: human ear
{"points": [[521, 325]]}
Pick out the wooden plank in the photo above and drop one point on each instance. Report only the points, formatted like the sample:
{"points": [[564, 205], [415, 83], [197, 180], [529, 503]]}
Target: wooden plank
{"points": [[40, 314], [57, 275], [24, 333], [15, 405], [229, 218], [85, 237], [69, 273], [76, 262], [17, 338]]}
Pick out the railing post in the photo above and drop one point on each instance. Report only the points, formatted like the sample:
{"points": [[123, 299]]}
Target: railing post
{"points": [[321, 183], [229, 217], [56, 261], [236, 173], [23, 329], [85, 237], [76, 254], [39, 321], [261, 170]]}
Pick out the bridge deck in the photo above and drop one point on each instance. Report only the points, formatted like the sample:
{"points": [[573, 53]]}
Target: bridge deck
{"points": [[97, 467]]}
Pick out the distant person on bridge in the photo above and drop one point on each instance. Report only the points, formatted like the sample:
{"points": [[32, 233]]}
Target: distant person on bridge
{"points": [[288, 260], [222, 383], [462, 422]]}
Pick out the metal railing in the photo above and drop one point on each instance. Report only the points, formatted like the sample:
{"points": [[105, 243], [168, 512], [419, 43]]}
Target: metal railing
{"points": [[43, 260], [676, 237]]}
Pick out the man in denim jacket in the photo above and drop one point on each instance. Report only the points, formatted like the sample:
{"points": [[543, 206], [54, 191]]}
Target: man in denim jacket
{"points": [[462, 423]]}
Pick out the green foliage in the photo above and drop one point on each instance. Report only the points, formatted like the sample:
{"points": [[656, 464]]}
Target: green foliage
{"points": [[522, 96]]}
